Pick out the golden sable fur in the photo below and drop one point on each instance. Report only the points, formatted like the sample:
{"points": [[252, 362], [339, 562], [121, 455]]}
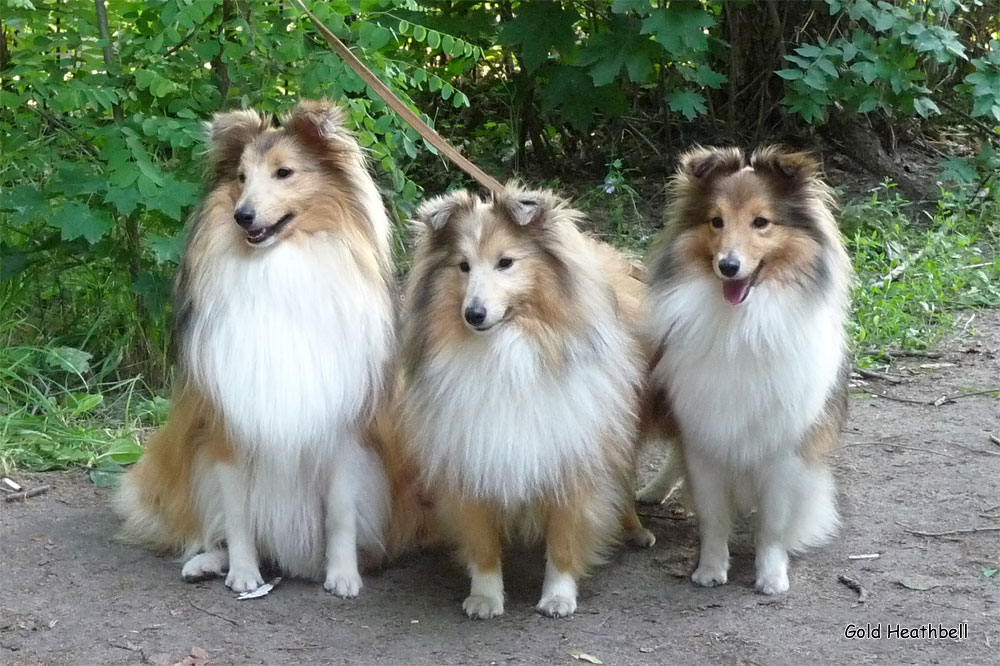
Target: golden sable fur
{"points": [[525, 369], [282, 445], [749, 294]]}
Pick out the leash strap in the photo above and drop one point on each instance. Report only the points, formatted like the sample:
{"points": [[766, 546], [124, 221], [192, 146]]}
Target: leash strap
{"points": [[382, 90]]}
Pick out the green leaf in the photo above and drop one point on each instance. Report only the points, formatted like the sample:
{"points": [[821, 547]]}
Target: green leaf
{"points": [[989, 572], [679, 28], [69, 359], [124, 451], [433, 39], [790, 74], [166, 248], [926, 107], [688, 103], [705, 76], [79, 403], [124, 199], [538, 29], [75, 220], [106, 474], [419, 33]]}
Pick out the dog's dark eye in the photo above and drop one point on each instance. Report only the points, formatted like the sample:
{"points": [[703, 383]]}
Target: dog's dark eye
{"points": [[505, 262], [283, 172], [464, 267], [717, 222], [243, 178], [761, 222]]}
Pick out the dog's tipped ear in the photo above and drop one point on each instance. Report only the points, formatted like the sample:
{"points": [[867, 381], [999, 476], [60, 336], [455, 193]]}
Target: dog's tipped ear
{"points": [[315, 121], [704, 165], [229, 133], [526, 208], [789, 170], [436, 212]]}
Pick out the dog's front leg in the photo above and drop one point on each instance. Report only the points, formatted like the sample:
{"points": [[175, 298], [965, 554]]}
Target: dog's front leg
{"points": [[342, 576], [244, 572], [567, 538], [710, 493], [479, 538]]}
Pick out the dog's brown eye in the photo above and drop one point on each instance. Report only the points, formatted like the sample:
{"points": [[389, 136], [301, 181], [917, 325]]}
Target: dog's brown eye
{"points": [[464, 267], [283, 172], [761, 222], [717, 222], [243, 178], [505, 262]]}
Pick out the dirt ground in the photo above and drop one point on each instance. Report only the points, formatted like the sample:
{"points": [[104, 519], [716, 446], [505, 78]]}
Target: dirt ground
{"points": [[71, 594]]}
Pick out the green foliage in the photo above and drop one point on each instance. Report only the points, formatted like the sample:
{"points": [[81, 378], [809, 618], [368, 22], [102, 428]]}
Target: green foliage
{"points": [[912, 282], [102, 161], [896, 58]]}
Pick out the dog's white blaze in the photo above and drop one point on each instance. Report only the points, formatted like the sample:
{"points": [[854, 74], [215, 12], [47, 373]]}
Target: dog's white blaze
{"points": [[746, 381], [289, 342], [498, 423]]}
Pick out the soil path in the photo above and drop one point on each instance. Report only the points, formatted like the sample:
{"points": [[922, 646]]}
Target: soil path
{"points": [[71, 594]]}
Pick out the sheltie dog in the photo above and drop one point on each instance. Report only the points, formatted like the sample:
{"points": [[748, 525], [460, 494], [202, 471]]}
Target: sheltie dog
{"points": [[749, 287], [285, 332], [524, 370]]}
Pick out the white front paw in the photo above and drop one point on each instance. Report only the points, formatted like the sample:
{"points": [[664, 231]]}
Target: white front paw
{"points": [[556, 606], [243, 579], [772, 582], [345, 584], [709, 576], [205, 565], [482, 607]]}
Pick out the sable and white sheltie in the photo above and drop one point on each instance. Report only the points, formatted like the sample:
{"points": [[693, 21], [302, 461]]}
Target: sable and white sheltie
{"points": [[748, 295], [285, 331], [524, 374]]}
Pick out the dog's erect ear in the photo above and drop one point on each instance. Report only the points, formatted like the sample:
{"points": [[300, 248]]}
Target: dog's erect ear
{"points": [[316, 122], [438, 211], [788, 170], [705, 165], [526, 208], [229, 134]]}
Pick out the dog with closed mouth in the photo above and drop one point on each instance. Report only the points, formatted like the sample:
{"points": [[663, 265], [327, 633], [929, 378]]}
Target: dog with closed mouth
{"points": [[524, 374], [749, 291], [281, 446]]}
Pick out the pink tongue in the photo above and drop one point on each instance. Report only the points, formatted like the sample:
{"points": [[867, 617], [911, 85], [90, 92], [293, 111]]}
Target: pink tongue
{"points": [[735, 291]]}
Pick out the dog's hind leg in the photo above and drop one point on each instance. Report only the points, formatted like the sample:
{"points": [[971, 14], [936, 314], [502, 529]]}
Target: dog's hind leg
{"points": [[209, 564], [661, 486]]}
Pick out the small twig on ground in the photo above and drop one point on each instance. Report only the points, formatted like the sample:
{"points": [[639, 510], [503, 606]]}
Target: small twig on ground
{"points": [[896, 446], [10, 486], [991, 509], [974, 450], [891, 354], [213, 614], [995, 439], [856, 586], [34, 492], [943, 400], [963, 530], [872, 374], [864, 556]]}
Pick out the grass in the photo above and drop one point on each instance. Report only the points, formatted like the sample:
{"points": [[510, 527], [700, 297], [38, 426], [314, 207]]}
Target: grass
{"points": [[61, 408], [914, 279]]}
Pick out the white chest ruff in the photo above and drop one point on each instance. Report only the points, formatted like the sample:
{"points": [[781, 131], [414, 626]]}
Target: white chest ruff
{"points": [[746, 382], [491, 420], [289, 342]]}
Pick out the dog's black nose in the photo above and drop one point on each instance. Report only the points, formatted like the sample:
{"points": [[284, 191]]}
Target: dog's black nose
{"points": [[729, 266], [244, 216], [475, 314]]}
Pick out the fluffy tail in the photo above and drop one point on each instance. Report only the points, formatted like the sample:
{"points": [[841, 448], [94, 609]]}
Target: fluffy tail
{"points": [[412, 522], [155, 500], [814, 519]]}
